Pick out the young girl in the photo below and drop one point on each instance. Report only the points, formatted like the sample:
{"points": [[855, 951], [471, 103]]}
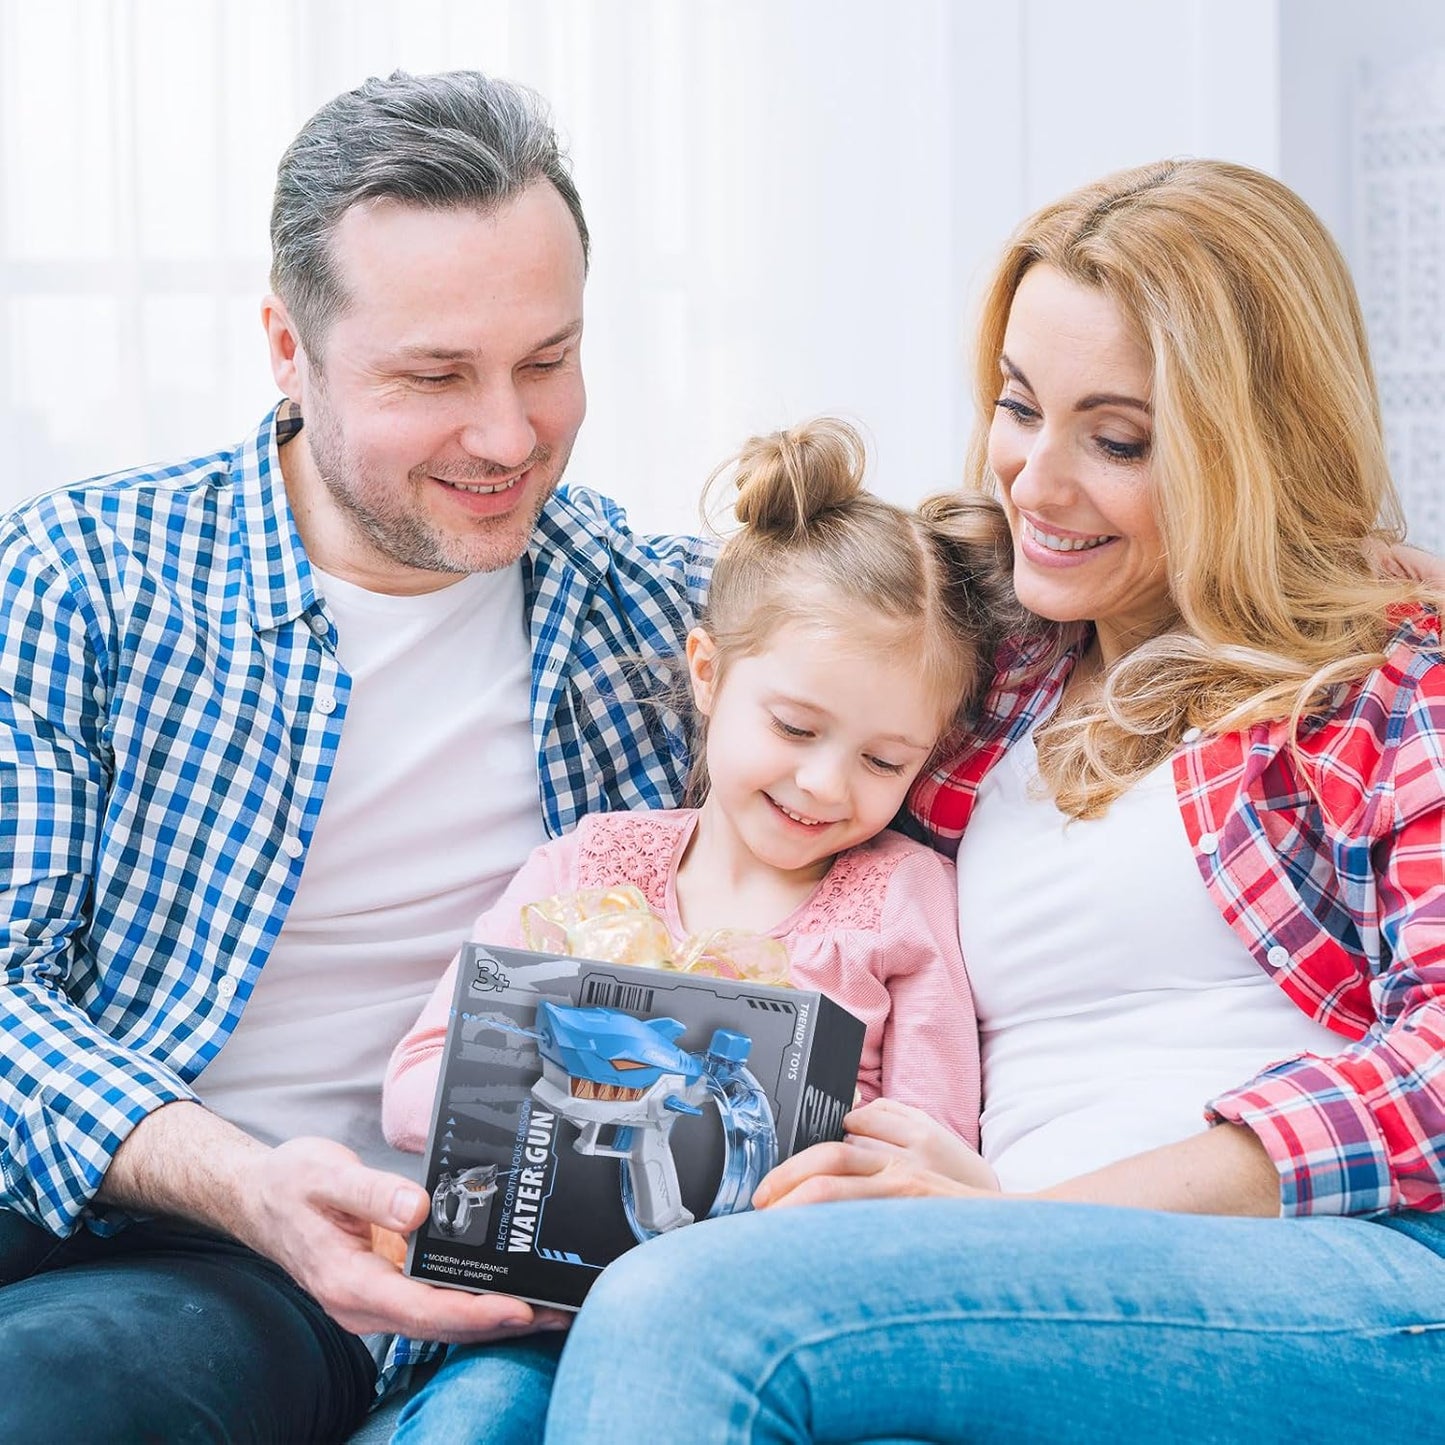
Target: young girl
{"points": [[844, 641], [841, 635]]}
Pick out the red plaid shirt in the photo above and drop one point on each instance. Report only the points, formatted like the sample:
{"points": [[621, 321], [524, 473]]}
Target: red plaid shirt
{"points": [[1330, 866]]}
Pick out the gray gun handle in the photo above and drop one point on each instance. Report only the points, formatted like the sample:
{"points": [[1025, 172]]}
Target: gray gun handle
{"points": [[654, 1180]]}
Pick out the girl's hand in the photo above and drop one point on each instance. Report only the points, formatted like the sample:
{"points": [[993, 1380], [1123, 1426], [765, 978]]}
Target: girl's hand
{"points": [[887, 1124], [892, 1151]]}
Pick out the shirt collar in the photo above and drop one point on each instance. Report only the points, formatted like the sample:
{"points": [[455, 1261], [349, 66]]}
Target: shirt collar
{"points": [[278, 578], [564, 529]]}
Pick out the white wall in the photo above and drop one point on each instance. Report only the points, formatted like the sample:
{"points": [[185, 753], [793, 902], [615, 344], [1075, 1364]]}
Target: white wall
{"points": [[792, 200], [1351, 70], [1325, 45]]}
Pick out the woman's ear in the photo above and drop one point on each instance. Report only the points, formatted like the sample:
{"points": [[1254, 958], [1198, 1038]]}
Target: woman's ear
{"points": [[702, 669]]}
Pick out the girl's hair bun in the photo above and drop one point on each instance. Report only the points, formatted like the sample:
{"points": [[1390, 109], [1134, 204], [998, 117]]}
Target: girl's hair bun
{"points": [[787, 479]]}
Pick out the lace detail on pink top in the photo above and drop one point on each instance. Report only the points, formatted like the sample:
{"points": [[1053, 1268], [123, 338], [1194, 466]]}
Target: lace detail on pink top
{"points": [[639, 848], [635, 848], [852, 892]]}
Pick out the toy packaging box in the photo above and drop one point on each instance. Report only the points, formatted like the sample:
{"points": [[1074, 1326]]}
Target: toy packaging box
{"points": [[585, 1107]]}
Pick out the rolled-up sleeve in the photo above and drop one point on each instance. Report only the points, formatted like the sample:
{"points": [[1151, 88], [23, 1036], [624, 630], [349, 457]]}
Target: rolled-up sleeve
{"points": [[1364, 1130]]}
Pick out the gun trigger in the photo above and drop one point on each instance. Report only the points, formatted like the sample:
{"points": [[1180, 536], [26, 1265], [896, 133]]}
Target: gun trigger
{"points": [[680, 1106]]}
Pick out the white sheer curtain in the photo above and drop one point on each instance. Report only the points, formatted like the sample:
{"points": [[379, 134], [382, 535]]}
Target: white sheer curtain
{"points": [[790, 200]]}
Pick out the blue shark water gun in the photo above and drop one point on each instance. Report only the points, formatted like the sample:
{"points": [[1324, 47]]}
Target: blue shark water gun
{"points": [[604, 1070]]}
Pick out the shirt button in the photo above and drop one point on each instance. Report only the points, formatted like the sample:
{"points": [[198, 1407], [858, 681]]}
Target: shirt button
{"points": [[1277, 957], [226, 986], [293, 847], [1209, 842], [326, 704], [1192, 735], [319, 625]]}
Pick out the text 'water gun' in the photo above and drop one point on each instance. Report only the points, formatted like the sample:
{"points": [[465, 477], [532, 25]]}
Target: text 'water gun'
{"points": [[604, 1070]]}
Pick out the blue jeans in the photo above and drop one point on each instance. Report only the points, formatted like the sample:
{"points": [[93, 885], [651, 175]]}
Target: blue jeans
{"points": [[952, 1320], [496, 1393], [163, 1333]]}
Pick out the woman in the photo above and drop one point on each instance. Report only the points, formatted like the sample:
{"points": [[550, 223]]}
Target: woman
{"points": [[1201, 840]]}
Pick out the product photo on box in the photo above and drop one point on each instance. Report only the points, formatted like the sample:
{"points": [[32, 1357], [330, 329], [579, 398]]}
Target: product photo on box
{"points": [[585, 1107]]}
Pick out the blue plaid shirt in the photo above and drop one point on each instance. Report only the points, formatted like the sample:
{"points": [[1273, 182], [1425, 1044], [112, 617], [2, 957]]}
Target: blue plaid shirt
{"points": [[170, 708]]}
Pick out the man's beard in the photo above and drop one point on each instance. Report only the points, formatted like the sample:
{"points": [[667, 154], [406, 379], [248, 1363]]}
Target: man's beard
{"points": [[394, 522]]}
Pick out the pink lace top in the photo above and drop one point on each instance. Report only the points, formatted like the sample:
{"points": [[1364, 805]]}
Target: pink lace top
{"points": [[879, 935]]}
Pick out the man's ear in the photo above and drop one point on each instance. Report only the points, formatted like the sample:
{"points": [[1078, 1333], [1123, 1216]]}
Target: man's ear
{"points": [[288, 360], [702, 669]]}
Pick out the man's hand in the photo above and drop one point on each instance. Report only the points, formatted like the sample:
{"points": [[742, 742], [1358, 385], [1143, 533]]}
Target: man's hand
{"points": [[309, 1205], [892, 1150], [315, 1204]]}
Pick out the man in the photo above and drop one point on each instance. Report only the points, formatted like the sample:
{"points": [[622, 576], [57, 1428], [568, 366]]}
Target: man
{"points": [[379, 601]]}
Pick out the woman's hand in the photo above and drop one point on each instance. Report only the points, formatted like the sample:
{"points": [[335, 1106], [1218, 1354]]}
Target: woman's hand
{"points": [[1409, 564], [891, 1150]]}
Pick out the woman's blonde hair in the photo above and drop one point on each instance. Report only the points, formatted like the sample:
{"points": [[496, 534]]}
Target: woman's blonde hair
{"points": [[813, 547], [1271, 484]]}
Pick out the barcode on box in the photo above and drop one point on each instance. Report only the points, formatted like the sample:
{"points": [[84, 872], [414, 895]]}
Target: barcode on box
{"points": [[629, 997]]}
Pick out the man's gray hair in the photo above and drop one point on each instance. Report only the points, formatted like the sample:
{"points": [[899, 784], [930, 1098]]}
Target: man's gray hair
{"points": [[454, 140]]}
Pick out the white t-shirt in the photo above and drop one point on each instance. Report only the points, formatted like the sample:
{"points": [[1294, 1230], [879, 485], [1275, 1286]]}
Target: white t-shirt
{"points": [[1113, 999], [431, 807]]}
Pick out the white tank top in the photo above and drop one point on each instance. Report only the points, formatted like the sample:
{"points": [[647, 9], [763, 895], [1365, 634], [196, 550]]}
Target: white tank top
{"points": [[1113, 1000], [432, 806]]}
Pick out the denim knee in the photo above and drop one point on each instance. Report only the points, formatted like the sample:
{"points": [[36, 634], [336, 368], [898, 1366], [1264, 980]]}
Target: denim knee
{"points": [[495, 1393], [644, 1287]]}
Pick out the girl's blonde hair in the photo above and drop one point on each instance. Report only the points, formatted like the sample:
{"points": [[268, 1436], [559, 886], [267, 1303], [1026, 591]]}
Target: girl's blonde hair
{"points": [[1271, 484], [813, 547]]}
